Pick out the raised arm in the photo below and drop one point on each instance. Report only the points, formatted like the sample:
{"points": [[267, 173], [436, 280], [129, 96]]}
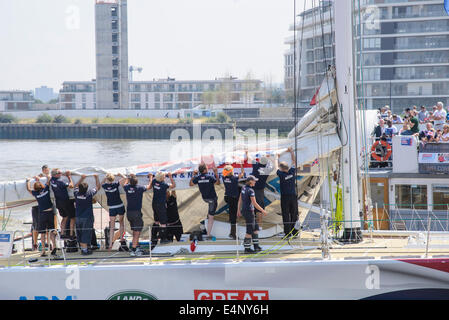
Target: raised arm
{"points": [[150, 183], [97, 181], [195, 172], [28, 185], [83, 177], [123, 180], [216, 176], [172, 181], [69, 176], [242, 171], [292, 154]]}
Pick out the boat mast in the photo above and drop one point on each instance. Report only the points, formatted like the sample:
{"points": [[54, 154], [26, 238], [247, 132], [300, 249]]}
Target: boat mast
{"points": [[345, 72]]}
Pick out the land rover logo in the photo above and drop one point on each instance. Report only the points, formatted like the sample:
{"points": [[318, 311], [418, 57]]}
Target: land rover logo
{"points": [[132, 295]]}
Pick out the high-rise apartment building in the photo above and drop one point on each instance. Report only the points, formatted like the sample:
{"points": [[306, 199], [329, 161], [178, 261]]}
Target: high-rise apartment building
{"points": [[111, 35], [402, 52]]}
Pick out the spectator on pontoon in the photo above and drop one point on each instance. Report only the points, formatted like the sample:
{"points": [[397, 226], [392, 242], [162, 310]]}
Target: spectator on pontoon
{"points": [[115, 205], [384, 112], [134, 195], [231, 183], [46, 216], [396, 119], [390, 131], [413, 122], [428, 134], [289, 198], [444, 137], [379, 130], [174, 225], [246, 205], [423, 115], [160, 188], [262, 169], [206, 184], [439, 116], [64, 204], [84, 199], [405, 131]]}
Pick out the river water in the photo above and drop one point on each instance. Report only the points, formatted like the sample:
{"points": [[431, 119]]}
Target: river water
{"points": [[24, 158], [20, 159]]}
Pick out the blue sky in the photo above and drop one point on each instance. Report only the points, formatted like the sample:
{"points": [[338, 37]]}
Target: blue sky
{"points": [[45, 42]]}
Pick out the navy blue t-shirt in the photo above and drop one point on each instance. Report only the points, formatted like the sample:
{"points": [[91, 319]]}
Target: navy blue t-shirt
{"points": [[206, 183], [134, 196], [261, 183], [231, 186], [159, 191], [43, 199], [287, 181], [83, 203], [247, 194], [59, 188], [112, 194]]}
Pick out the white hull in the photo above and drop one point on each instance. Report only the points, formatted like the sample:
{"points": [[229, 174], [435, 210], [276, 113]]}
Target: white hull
{"points": [[279, 280]]}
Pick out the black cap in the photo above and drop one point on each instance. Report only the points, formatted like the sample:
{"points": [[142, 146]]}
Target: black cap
{"points": [[251, 178]]}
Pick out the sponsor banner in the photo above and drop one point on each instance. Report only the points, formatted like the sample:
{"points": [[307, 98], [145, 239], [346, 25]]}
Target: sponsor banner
{"points": [[434, 158], [6, 241], [406, 141], [231, 295]]}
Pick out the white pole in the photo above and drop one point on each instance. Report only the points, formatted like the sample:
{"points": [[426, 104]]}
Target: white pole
{"points": [[345, 86]]}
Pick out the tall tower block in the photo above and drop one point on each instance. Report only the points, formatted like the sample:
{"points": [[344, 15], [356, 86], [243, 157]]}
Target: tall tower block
{"points": [[111, 38]]}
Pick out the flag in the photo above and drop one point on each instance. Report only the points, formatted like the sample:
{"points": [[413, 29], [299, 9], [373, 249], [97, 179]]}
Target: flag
{"points": [[446, 6], [314, 102]]}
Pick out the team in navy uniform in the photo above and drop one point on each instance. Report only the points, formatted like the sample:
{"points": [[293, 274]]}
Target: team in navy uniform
{"points": [[115, 206], [84, 212], [45, 218], [289, 199], [206, 183], [247, 204], [232, 193], [64, 204], [159, 204], [134, 194]]}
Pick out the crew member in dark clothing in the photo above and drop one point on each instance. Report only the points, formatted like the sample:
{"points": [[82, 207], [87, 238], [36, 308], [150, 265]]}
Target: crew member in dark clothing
{"points": [[65, 205], [262, 169], [174, 224], [134, 195], [46, 216], [85, 213], [206, 183], [160, 204], [289, 199], [231, 183], [247, 204], [115, 204]]}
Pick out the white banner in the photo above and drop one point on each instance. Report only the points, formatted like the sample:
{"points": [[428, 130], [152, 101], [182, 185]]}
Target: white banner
{"points": [[6, 242]]}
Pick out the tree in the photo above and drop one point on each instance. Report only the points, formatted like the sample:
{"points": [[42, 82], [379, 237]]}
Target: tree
{"points": [[44, 118], [60, 119], [37, 101]]}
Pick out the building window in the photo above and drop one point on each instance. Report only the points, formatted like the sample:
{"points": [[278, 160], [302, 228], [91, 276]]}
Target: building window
{"points": [[115, 37], [115, 97], [115, 50], [440, 198], [115, 74], [411, 196]]}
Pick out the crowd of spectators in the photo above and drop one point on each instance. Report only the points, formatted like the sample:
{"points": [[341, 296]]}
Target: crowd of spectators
{"points": [[435, 124]]}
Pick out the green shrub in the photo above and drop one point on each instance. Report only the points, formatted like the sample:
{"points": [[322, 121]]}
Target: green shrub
{"points": [[44, 118], [78, 121], [95, 120], [7, 118], [60, 119], [222, 118]]}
